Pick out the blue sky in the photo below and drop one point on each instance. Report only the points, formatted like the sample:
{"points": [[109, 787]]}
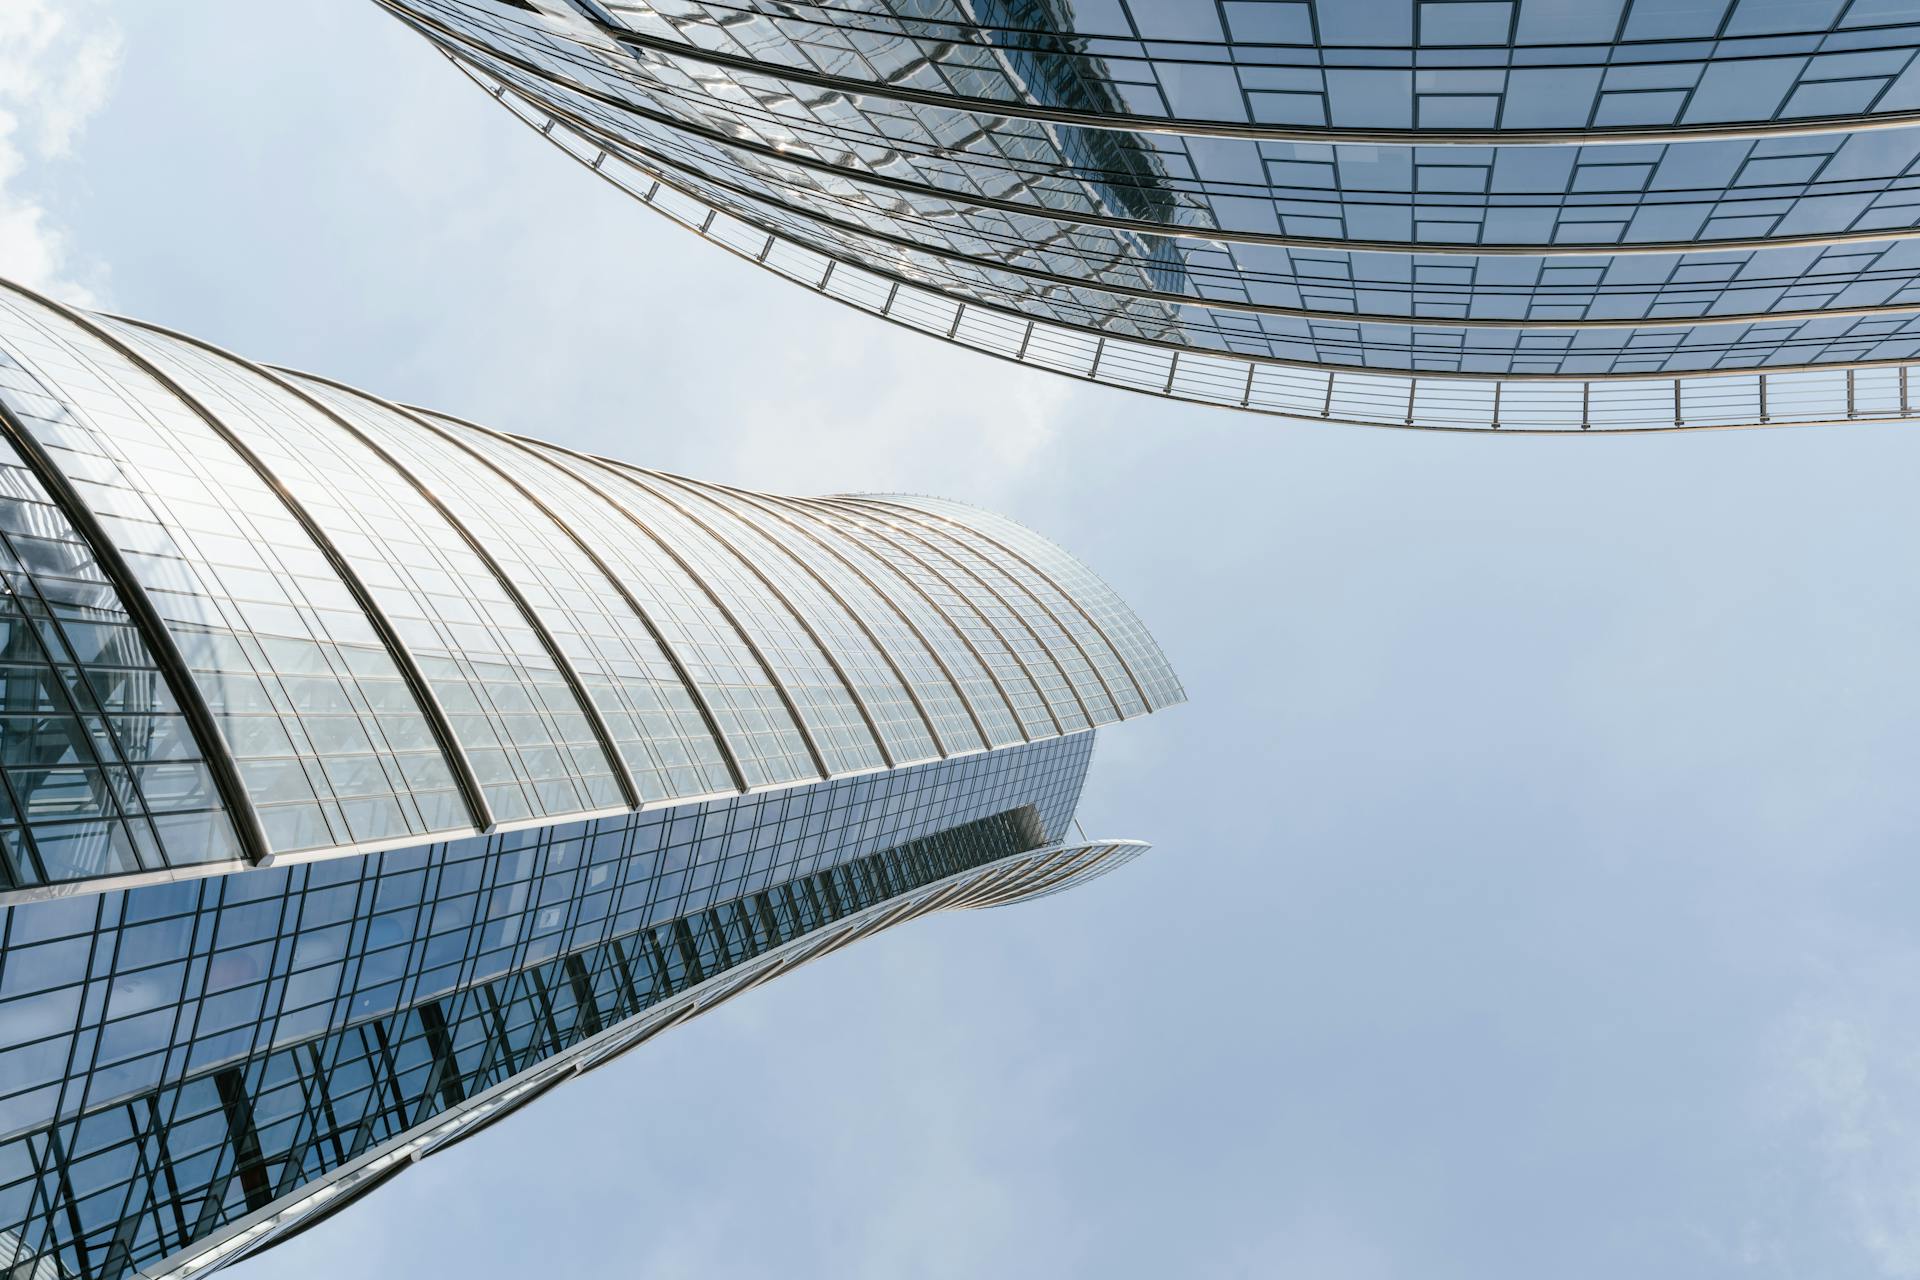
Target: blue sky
{"points": [[1535, 884]]}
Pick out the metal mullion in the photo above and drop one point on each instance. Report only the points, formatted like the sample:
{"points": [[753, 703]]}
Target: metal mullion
{"points": [[1356, 246], [1070, 597], [479, 812], [989, 883], [728, 753], [1255, 362], [423, 416], [322, 1095], [628, 993], [29, 848], [643, 158], [771, 506], [146, 619], [66, 1204], [774, 682], [924, 517], [883, 515], [458, 764], [72, 1073], [475, 55], [1044, 877], [567, 672], [1059, 878], [799, 615], [629, 784], [880, 534], [629, 149], [1321, 134], [68, 657], [205, 921]]}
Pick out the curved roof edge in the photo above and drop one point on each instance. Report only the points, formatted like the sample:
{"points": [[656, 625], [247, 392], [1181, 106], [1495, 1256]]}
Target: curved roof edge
{"points": [[1866, 390], [379, 627]]}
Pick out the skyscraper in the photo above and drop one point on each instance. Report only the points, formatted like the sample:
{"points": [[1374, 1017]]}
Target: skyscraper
{"points": [[368, 773], [1533, 215]]}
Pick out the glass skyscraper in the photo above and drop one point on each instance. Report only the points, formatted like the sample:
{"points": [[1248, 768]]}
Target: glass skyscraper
{"points": [[367, 773], [1526, 215]]}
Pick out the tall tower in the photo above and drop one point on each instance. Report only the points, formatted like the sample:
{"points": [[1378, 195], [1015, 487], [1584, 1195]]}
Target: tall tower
{"points": [[1519, 215], [368, 772]]}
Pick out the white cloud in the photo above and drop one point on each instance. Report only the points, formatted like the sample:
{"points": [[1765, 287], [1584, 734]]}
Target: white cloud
{"points": [[57, 65]]}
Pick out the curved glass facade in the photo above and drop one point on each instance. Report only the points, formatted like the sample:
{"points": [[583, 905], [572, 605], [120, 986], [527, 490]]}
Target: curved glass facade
{"points": [[394, 625], [366, 772], [1513, 214]]}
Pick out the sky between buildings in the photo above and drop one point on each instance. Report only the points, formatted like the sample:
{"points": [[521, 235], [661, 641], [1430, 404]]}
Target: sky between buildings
{"points": [[1535, 891]]}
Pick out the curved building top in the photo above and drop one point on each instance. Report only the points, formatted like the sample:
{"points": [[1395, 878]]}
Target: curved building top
{"points": [[248, 614], [1516, 214]]}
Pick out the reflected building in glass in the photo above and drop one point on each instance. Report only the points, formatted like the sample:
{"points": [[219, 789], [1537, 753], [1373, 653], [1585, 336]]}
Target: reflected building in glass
{"points": [[1556, 215], [368, 772]]}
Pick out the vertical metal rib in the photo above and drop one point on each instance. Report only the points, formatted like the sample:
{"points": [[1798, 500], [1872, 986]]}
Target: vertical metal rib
{"points": [[925, 515], [458, 765], [473, 544], [423, 416], [1004, 603], [603, 735], [866, 713], [933, 655], [774, 681], [1133, 677], [153, 629], [916, 525], [1019, 726]]}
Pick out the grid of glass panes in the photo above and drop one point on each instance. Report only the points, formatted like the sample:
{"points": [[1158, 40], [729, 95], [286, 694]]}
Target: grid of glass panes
{"points": [[1087, 589], [1481, 64], [1649, 192], [1247, 194], [1059, 667], [1550, 405], [870, 675], [1660, 192], [896, 631], [279, 650], [102, 775], [1010, 679], [747, 936], [978, 689], [105, 998], [1116, 678], [753, 718], [739, 623], [818, 192], [658, 720], [531, 747], [1116, 681], [230, 428], [1028, 595], [824, 703], [653, 722], [994, 608], [1669, 289], [369, 746], [182, 1161], [1158, 176], [1225, 175]]}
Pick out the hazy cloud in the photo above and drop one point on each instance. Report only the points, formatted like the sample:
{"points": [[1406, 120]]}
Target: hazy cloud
{"points": [[1849, 1074], [57, 65]]}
